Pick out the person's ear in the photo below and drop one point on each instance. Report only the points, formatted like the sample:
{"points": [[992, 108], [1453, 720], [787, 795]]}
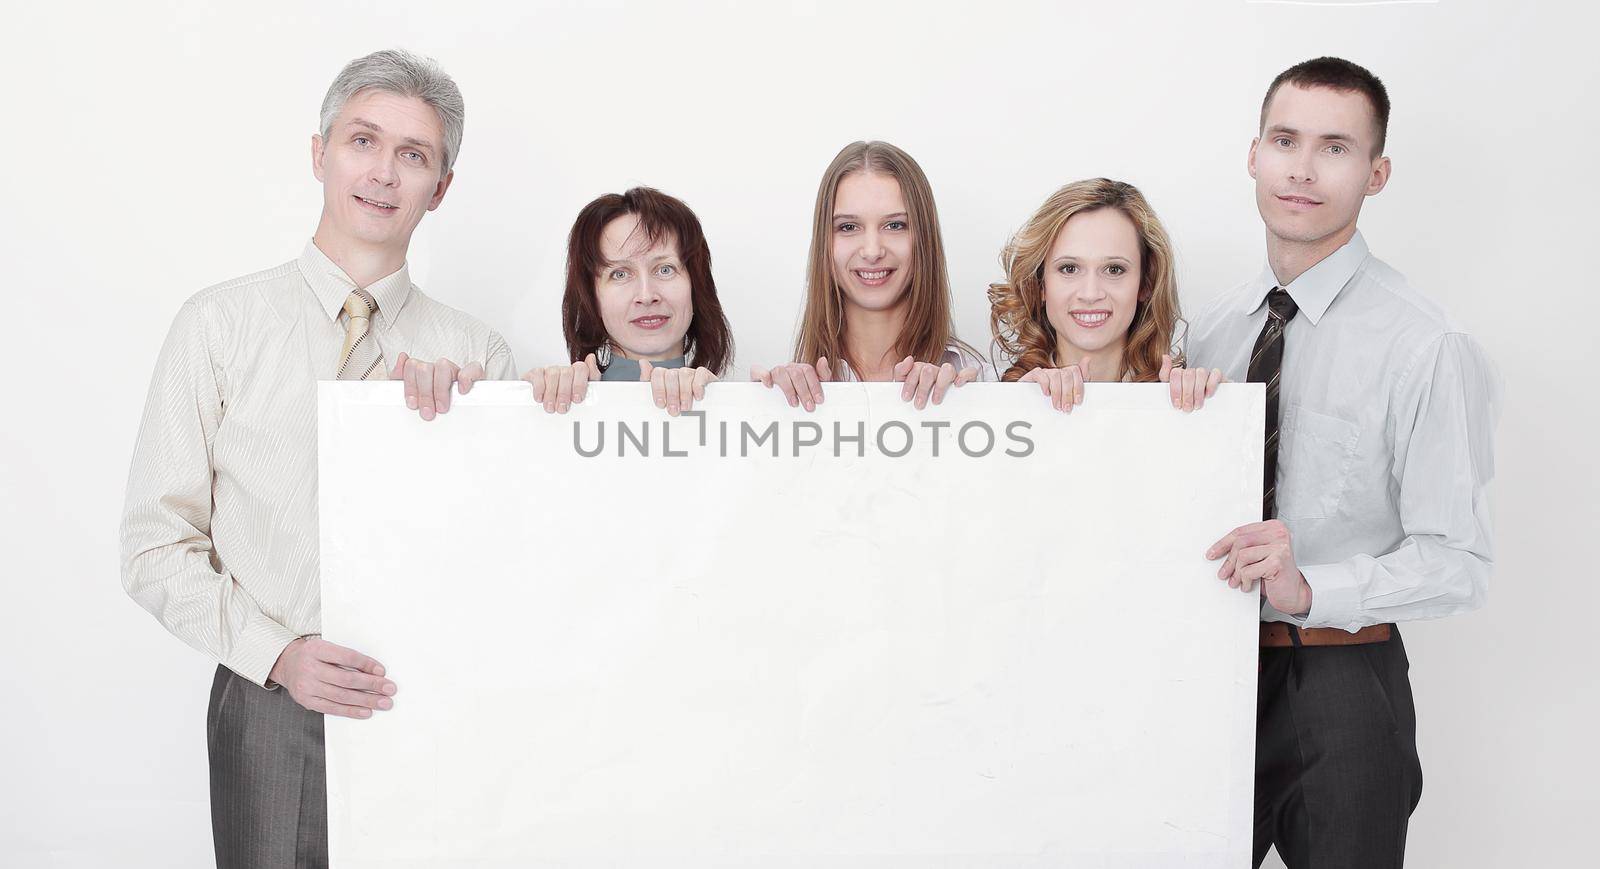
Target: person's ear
{"points": [[316, 155], [438, 192], [1250, 162], [1379, 177]]}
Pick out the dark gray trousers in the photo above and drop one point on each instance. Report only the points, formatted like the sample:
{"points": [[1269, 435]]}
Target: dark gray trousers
{"points": [[269, 785], [1337, 774]]}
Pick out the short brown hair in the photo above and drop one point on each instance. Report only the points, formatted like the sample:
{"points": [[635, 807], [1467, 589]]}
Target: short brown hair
{"points": [[1337, 74], [709, 341]]}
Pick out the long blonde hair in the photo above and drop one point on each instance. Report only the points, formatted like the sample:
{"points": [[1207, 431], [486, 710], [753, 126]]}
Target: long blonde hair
{"points": [[1017, 315], [928, 329]]}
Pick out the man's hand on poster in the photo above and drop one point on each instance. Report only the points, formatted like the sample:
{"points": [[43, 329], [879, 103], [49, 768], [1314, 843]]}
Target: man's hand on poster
{"points": [[428, 383], [331, 679], [1262, 552]]}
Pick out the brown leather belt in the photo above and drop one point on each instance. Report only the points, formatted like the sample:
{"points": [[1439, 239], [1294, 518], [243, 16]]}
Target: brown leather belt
{"points": [[1276, 635]]}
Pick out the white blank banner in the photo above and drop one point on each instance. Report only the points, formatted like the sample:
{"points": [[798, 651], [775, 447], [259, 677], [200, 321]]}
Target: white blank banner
{"points": [[763, 637]]}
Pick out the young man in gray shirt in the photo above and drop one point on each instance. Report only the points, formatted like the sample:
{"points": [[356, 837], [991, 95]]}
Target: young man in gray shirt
{"points": [[1379, 450]]}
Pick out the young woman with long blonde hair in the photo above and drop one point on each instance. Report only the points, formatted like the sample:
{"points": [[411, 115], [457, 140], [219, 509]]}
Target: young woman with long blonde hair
{"points": [[877, 289]]}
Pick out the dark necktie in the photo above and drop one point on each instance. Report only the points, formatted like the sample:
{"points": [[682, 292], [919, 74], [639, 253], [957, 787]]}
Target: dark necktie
{"points": [[1266, 365]]}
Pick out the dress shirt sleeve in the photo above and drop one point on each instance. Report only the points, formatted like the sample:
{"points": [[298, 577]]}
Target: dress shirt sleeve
{"points": [[1441, 430], [168, 562], [499, 365]]}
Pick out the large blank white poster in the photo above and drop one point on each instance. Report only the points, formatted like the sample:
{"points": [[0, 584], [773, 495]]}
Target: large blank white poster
{"points": [[981, 634]]}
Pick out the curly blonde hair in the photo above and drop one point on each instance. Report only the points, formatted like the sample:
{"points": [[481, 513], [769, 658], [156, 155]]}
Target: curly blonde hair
{"points": [[1017, 316]]}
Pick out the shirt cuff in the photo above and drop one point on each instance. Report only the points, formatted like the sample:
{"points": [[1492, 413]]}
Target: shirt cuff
{"points": [[257, 648], [1335, 600]]}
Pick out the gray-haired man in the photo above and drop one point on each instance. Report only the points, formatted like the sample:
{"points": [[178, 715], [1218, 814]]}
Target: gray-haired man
{"points": [[219, 533]]}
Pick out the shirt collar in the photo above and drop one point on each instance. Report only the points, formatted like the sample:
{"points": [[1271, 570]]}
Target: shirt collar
{"points": [[1314, 291], [332, 286]]}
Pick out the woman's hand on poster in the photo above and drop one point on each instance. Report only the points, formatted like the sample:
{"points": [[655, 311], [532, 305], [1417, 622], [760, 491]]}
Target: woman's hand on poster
{"points": [[676, 389], [1190, 387], [558, 387], [800, 382], [925, 380], [1063, 386]]}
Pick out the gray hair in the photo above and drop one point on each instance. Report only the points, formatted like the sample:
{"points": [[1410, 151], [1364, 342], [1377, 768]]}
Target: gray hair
{"points": [[405, 74]]}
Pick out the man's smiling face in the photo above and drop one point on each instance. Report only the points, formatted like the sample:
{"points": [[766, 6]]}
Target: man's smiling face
{"points": [[380, 168], [1315, 162]]}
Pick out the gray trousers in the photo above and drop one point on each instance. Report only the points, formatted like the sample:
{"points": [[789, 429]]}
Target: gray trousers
{"points": [[1337, 773], [269, 785]]}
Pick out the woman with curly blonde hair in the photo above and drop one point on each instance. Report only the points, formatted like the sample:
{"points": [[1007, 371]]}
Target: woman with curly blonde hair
{"points": [[1091, 293]]}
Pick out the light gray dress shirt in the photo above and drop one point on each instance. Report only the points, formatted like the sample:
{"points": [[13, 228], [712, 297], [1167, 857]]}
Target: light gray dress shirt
{"points": [[219, 531], [1388, 413]]}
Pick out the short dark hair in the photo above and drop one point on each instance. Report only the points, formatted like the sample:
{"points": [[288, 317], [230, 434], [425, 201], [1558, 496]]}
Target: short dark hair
{"points": [[1340, 75], [709, 341]]}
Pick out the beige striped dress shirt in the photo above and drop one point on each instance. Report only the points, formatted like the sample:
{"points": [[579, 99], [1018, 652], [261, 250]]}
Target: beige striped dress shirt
{"points": [[219, 531]]}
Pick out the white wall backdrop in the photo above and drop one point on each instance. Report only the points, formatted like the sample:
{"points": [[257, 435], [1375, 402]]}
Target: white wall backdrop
{"points": [[150, 150]]}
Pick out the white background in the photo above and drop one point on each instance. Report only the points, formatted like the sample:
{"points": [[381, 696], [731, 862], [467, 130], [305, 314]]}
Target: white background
{"points": [[151, 151]]}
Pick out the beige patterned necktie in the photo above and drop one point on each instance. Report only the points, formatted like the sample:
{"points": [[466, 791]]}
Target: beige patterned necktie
{"points": [[360, 359]]}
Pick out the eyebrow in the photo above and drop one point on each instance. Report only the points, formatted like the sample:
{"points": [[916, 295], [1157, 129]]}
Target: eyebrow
{"points": [[628, 261], [899, 214], [408, 140], [1326, 137], [1067, 256]]}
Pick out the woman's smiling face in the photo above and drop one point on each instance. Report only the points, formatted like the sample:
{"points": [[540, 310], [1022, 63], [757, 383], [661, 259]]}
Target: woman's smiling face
{"points": [[1091, 283], [645, 296], [872, 239]]}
